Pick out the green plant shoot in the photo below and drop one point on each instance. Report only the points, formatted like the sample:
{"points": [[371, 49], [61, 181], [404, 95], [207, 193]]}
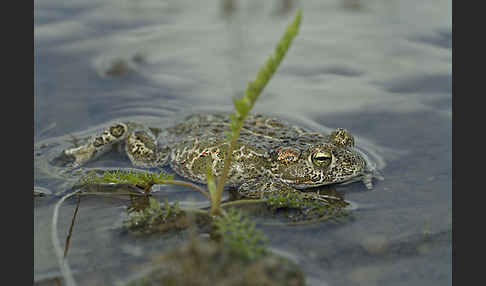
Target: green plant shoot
{"points": [[244, 104], [213, 196]]}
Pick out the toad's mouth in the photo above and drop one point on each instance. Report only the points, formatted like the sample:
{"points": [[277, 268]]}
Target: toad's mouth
{"points": [[306, 183], [303, 183]]}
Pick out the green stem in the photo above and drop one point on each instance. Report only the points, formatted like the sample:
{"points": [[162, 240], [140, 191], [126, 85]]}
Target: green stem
{"points": [[215, 207], [187, 184], [244, 104]]}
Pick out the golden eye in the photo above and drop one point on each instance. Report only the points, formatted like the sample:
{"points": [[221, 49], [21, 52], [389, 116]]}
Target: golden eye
{"points": [[321, 158]]}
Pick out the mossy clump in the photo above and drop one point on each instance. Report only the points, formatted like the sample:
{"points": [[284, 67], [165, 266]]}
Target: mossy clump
{"points": [[155, 218], [239, 235], [140, 179], [207, 263], [304, 207]]}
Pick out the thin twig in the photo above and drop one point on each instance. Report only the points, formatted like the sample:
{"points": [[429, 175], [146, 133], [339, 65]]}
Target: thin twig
{"points": [[63, 263], [187, 184], [68, 238]]}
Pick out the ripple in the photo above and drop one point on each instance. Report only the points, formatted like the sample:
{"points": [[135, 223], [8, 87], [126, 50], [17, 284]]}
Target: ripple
{"points": [[421, 83]]}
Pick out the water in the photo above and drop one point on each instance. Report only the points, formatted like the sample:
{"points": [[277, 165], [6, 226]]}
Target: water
{"points": [[381, 69]]}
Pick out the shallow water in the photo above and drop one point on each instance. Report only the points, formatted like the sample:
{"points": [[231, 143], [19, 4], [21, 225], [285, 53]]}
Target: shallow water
{"points": [[381, 69]]}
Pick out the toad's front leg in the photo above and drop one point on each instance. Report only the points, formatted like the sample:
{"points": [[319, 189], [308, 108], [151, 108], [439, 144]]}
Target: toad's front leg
{"points": [[98, 145], [143, 150]]}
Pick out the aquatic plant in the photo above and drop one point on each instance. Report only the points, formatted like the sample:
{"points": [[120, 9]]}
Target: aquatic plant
{"points": [[156, 218], [244, 104], [307, 208], [239, 235], [207, 263], [144, 180], [130, 177]]}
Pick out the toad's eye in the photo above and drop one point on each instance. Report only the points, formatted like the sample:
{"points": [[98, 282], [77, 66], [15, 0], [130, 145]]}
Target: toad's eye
{"points": [[322, 158]]}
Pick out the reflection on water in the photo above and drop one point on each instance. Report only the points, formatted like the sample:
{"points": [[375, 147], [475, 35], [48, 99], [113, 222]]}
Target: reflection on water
{"points": [[381, 69]]}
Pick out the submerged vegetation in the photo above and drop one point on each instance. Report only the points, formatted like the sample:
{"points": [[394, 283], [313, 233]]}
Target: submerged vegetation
{"points": [[155, 218], [240, 236], [207, 263], [143, 180], [308, 209], [136, 178]]}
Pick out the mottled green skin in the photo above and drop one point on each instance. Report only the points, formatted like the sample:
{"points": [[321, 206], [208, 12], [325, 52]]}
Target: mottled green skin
{"points": [[270, 154]]}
